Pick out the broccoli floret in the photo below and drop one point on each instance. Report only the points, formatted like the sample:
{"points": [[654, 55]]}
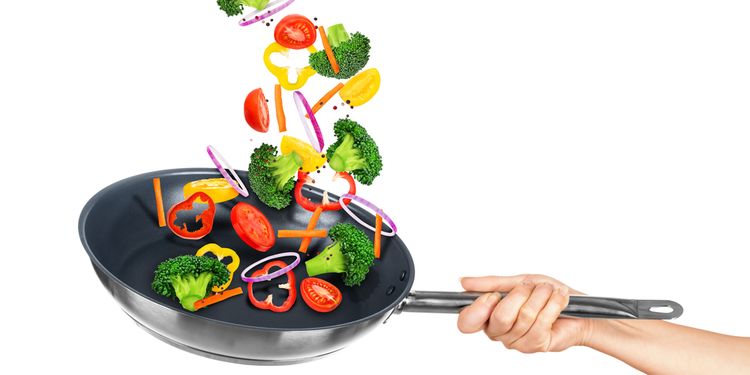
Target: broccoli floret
{"points": [[351, 253], [189, 278], [235, 7], [354, 151], [271, 177], [351, 51]]}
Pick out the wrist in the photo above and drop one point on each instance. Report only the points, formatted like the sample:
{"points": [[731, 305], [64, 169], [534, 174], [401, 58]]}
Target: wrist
{"points": [[592, 331]]}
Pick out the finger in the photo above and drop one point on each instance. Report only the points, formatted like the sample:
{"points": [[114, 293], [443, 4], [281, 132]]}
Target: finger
{"points": [[503, 283], [491, 283], [473, 318], [528, 313], [506, 311], [540, 332]]}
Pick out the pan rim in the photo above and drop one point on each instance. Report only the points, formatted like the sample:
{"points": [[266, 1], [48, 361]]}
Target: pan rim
{"points": [[189, 171]]}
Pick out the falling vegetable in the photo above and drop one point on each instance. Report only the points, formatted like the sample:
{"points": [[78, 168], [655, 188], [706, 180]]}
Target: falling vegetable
{"points": [[256, 110], [216, 298], [271, 176], [350, 254], [265, 276], [354, 151], [310, 226], [295, 31], [235, 7], [361, 88], [305, 113], [267, 303], [378, 213], [319, 294], [268, 11], [312, 160], [205, 218], [189, 278], [378, 229], [218, 189], [309, 205], [320, 103], [222, 165], [294, 233], [282, 72], [221, 253], [329, 52], [351, 52], [252, 226], [280, 116], [159, 202]]}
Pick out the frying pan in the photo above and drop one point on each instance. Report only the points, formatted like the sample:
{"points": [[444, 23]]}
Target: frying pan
{"points": [[118, 228]]}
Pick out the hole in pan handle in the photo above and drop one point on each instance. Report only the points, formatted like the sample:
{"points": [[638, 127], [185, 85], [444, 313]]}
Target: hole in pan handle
{"points": [[578, 307]]}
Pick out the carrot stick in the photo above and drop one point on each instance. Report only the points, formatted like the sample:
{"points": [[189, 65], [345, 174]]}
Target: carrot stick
{"points": [[218, 297], [280, 117], [378, 229], [287, 233], [310, 226], [329, 51], [159, 202], [326, 97]]}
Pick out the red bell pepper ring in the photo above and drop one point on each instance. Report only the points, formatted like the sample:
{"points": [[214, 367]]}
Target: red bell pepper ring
{"points": [[306, 203], [206, 217], [267, 304]]}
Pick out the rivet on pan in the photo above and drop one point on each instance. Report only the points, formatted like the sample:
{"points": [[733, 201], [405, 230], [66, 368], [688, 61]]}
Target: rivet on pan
{"points": [[403, 276], [390, 290]]}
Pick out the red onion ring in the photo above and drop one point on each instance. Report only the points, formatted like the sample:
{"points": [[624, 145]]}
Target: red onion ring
{"points": [[371, 206], [220, 162], [274, 274], [303, 108], [254, 16]]}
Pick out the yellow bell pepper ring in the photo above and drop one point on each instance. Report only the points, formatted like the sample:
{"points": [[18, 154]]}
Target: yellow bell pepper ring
{"points": [[217, 188], [282, 72], [221, 253]]}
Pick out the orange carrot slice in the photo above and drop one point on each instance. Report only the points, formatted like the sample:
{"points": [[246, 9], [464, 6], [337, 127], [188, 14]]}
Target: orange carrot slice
{"points": [[287, 233], [329, 51], [310, 226], [218, 297], [378, 229], [159, 202], [327, 97], [280, 117]]}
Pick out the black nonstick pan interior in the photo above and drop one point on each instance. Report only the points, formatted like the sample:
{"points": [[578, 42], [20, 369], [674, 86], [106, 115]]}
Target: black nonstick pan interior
{"points": [[119, 226]]}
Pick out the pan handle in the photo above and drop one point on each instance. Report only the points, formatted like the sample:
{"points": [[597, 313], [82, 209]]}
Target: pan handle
{"points": [[578, 307]]}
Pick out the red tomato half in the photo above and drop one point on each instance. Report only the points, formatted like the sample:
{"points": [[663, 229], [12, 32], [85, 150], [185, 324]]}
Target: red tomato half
{"points": [[256, 110], [295, 32], [319, 294], [252, 226]]}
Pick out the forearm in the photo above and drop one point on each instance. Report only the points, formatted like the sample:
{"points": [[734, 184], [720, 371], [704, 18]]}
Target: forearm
{"points": [[658, 347]]}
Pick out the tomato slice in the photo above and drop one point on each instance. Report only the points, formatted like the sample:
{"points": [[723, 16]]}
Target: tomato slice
{"points": [[361, 88], [319, 294], [295, 31], [256, 110], [252, 226]]}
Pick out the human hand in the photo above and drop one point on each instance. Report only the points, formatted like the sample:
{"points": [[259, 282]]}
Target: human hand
{"points": [[526, 319]]}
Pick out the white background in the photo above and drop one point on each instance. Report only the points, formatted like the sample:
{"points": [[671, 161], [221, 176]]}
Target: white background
{"points": [[603, 143]]}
